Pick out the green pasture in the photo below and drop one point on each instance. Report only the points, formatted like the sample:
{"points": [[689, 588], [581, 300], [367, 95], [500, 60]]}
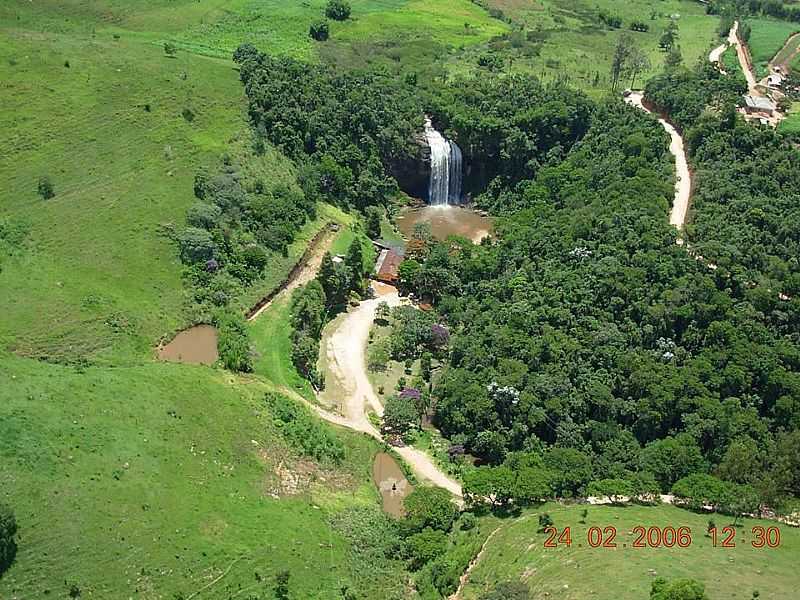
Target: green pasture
{"points": [[767, 38], [579, 572]]}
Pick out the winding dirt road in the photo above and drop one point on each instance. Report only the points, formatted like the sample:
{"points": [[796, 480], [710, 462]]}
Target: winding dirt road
{"points": [[347, 373], [305, 270], [683, 183], [744, 60]]}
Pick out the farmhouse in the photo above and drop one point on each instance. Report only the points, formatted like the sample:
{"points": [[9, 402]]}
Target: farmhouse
{"points": [[388, 265], [755, 105]]}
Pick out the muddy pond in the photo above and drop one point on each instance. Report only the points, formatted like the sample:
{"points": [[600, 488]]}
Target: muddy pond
{"points": [[196, 346], [392, 484], [446, 221]]}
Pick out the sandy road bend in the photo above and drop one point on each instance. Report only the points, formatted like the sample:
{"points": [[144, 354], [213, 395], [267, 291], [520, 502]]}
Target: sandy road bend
{"points": [[345, 351], [683, 184]]}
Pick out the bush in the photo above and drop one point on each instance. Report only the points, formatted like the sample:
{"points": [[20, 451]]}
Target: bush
{"points": [[429, 507], [303, 431], [170, 49], [508, 590], [196, 245], [8, 529], [45, 188], [425, 546], [319, 31], [338, 10], [234, 343], [203, 215]]}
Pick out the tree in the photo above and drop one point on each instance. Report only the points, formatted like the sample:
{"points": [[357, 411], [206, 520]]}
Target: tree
{"points": [[196, 245], [373, 216], [508, 590], [531, 485], [545, 521], [334, 279], [742, 462], [319, 31], [571, 469], [488, 484], [338, 10], [669, 36], [425, 365], [8, 530], [429, 507], [355, 263], [425, 546], [45, 188], [671, 458], [399, 415], [620, 59], [638, 62], [674, 58], [680, 589]]}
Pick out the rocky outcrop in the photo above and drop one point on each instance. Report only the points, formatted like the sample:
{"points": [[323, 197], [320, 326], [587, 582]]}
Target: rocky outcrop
{"points": [[413, 173]]}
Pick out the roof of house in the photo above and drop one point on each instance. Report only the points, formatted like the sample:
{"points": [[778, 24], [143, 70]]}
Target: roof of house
{"points": [[387, 265], [759, 103]]}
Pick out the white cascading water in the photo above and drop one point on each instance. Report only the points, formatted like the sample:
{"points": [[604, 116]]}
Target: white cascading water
{"points": [[446, 161]]}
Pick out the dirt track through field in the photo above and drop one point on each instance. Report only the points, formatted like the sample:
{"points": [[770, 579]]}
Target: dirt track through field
{"points": [[305, 270]]}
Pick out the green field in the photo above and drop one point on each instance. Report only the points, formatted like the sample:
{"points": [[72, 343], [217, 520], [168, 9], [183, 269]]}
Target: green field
{"points": [[767, 37], [517, 552], [791, 124], [576, 46], [159, 478]]}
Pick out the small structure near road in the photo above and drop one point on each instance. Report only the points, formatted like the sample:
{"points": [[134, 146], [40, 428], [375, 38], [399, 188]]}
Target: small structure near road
{"points": [[388, 265], [757, 106], [775, 80]]}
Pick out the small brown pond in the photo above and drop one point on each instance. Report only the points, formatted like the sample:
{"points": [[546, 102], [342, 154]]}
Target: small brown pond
{"points": [[196, 345], [446, 221], [391, 482]]}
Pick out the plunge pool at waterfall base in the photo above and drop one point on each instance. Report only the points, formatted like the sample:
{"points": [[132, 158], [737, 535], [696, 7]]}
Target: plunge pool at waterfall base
{"points": [[446, 221]]}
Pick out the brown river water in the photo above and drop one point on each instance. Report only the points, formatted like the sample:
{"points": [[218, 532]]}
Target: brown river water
{"points": [[196, 345], [446, 221], [391, 482]]}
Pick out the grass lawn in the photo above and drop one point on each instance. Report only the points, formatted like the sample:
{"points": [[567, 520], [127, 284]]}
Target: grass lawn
{"points": [[767, 37], [792, 122], [516, 552]]}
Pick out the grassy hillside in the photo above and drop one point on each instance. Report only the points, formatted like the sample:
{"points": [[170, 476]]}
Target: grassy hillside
{"points": [[767, 37], [517, 552], [158, 479], [569, 41]]}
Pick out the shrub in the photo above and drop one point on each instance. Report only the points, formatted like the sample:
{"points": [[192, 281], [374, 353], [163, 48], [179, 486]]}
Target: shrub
{"points": [[338, 10], [188, 114], [425, 546], [234, 342], [429, 507], [45, 188], [8, 529], [170, 49], [196, 245], [203, 215], [303, 431], [319, 31]]}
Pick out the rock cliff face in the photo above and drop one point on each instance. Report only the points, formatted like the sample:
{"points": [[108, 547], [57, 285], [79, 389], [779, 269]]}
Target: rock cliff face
{"points": [[413, 174]]}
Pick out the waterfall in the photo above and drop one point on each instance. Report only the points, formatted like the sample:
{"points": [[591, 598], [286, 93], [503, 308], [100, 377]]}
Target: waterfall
{"points": [[446, 161], [454, 192]]}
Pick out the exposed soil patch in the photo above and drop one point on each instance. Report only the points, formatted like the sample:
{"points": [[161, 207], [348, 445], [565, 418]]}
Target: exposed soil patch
{"points": [[392, 484], [195, 346]]}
